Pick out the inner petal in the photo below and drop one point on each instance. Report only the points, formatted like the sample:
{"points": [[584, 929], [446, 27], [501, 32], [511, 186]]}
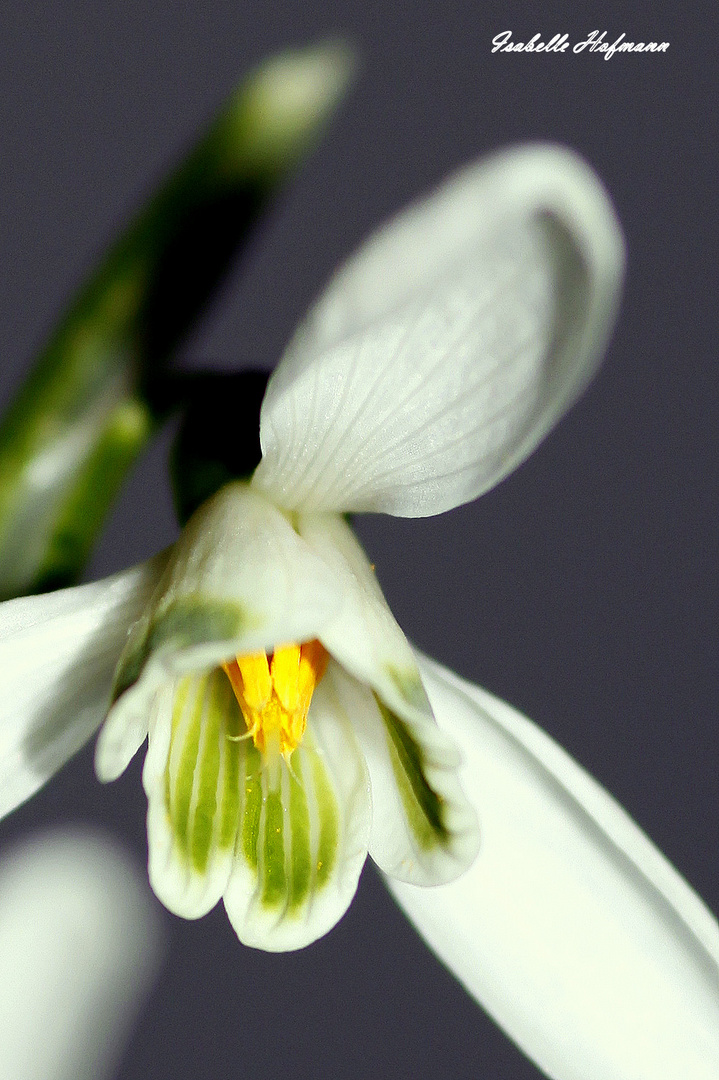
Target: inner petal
{"points": [[194, 777], [302, 842], [274, 693]]}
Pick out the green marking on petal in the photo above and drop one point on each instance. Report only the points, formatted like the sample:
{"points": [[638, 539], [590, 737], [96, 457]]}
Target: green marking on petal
{"points": [[301, 859], [329, 823], [182, 785], [408, 683], [196, 622], [274, 884], [130, 665], [231, 783], [183, 623], [277, 829], [202, 776], [252, 805], [178, 707], [423, 807], [207, 773]]}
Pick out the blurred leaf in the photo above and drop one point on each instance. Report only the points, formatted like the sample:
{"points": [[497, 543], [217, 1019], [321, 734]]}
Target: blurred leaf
{"points": [[96, 393]]}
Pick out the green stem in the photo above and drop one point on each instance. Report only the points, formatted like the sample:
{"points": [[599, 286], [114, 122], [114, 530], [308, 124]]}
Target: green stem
{"points": [[95, 394]]}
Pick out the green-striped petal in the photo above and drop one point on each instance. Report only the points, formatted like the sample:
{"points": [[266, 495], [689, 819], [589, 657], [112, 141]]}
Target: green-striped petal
{"points": [[424, 830], [191, 777], [303, 834], [240, 579]]}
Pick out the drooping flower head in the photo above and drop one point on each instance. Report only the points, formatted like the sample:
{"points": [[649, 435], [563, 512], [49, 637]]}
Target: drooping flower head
{"points": [[289, 728]]}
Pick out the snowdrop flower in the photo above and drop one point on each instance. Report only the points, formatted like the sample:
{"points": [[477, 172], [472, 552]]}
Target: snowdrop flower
{"points": [[292, 728]]}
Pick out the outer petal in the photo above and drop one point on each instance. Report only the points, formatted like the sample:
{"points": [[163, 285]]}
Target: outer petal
{"points": [[302, 843], [240, 579], [192, 780], [571, 928], [423, 829], [449, 345], [363, 633], [58, 652]]}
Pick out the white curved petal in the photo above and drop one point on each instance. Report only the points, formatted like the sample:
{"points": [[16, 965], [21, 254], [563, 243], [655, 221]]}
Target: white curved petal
{"points": [[58, 652], [240, 574], [78, 947], [423, 828], [449, 344], [571, 928], [302, 844], [192, 780], [120, 737], [363, 634], [240, 579]]}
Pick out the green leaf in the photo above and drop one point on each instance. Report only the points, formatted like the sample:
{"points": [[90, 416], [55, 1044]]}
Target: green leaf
{"points": [[99, 387]]}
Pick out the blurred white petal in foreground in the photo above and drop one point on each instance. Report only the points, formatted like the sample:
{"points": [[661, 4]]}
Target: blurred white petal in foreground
{"points": [[79, 945]]}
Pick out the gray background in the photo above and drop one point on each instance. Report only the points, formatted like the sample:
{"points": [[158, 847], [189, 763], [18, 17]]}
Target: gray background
{"points": [[582, 589]]}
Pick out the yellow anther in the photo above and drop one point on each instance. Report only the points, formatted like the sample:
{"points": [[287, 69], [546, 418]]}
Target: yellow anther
{"points": [[252, 675], [285, 669], [274, 694], [313, 661]]}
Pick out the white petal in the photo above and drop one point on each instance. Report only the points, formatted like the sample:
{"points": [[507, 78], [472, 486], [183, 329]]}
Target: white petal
{"points": [[363, 635], [58, 653], [192, 780], [302, 846], [240, 579], [423, 828], [78, 946], [571, 928], [449, 345]]}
